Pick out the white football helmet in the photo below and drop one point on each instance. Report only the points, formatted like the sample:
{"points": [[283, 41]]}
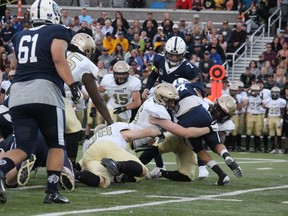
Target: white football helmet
{"points": [[175, 49], [121, 72], [45, 12], [166, 94], [85, 43], [180, 81]]}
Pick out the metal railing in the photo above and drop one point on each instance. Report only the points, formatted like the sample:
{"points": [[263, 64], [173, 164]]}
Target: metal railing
{"points": [[276, 16], [258, 35], [237, 55]]}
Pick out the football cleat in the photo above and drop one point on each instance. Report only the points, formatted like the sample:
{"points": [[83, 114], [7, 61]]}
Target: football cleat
{"points": [[55, 197], [223, 180], [155, 173], [203, 172], [3, 198], [111, 165], [23, 174], [122, 178], [234, 167], [67, 179]]}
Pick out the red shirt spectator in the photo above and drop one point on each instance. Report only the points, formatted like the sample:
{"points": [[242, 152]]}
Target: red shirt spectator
{"points": [[183, 4]]}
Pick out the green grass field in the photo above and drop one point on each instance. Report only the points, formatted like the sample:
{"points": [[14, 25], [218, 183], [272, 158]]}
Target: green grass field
{"points": [[262, 191]]}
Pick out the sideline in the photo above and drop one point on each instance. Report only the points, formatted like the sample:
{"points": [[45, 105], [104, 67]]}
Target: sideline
{"points": [[186, 199]]}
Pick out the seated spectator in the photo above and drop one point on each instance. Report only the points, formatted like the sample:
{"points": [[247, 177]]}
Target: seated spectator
{"points": [[136, 26], [109, 42], [238, 37], [182, 25], [219, 4], [102, 18], [280, 78], [135, 58], [276, 45], [225, 30], [85, 17], [176, 32], [150, 30], [231, 5], [6, 35], [149, 56], [106, 58], [283, 35], [212, 34], [118, 53], [219, 49], [107, 27], [4, 61], [85, 28], [98, 36], [25, 19], [205, 65], [215, 56], [119, 15], [195, 22], [138, 43], [197, 5], [15, 24], [183, 4], [76, 26], [263, 74], [65, 19], [150, 18], [283, 51], [247, 78], [222, 43], [208, 27], [254, 68], [122, 40], [209, 5], [252, 19], [269, 55], [119, 27], [167, 26], [270, 83]]}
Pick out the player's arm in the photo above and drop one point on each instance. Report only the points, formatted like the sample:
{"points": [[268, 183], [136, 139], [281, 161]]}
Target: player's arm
{"points": [[131, 135], [136, 101], [91, 87], [178, 130], [150, 83]]}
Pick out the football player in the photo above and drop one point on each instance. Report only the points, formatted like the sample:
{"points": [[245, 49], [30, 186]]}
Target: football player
{"points": [[265, 94], [274, 115], [21, 174], [109, 155], [36, 94], [84, 71], [234, 93], [285, 96], [171, 66], [123, 91], [253, 117]]}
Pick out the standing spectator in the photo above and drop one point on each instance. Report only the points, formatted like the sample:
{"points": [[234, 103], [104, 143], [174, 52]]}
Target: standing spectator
{"points": [[150, 18], [183, 4], [247, 78], [269, 55], [85, 29], [28, 100], [119, 15], [85, 17], [285, 89], [65, 19]]}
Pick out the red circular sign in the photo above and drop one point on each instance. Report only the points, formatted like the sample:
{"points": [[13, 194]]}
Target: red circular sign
{"points": [[217, 72]]}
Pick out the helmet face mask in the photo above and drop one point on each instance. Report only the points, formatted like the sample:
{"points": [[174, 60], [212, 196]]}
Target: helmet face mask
{"points": [[175, 49], [275, 93], [84, 43], [255, 90], [233, 90], [223, 108], [121, 72], [166, 94], [44, 12]]}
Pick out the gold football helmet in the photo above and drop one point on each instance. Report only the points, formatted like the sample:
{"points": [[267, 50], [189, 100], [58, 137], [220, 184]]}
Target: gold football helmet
{"points": [[84, 43], [233, 90], [223, 108], [121, 72], [275, 93], [166, 94], [255, 90]]}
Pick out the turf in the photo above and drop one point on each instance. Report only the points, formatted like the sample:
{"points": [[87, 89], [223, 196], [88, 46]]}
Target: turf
{"points": [[262, 191]]}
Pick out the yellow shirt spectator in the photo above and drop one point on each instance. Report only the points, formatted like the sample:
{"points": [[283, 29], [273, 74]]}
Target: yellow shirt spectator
{"points": [[109, 42], [121, 40]]}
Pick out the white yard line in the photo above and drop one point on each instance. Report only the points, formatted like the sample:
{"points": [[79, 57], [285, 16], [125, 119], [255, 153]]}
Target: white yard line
{"points": [[29, 187], [186, 199], [119, 192]]}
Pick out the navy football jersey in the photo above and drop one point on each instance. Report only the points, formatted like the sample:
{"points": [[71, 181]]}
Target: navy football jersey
{"points": [[184, 70], [188, 89], [33, 60]]}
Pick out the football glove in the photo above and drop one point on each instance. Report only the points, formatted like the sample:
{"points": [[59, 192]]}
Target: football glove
{"points": [[77, 96], [92, 113], [119, 110], [214, 127]]}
